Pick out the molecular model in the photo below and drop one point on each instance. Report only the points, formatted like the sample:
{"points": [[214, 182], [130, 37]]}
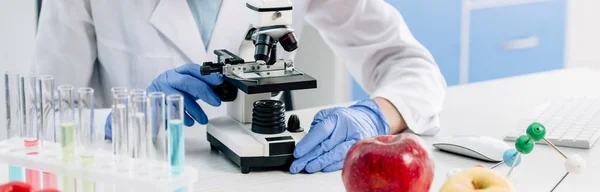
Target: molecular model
{"points": [[524, 145]]}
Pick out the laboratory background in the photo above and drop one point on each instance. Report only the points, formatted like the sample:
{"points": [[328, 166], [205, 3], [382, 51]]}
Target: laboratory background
{"points": [[472, 41]]}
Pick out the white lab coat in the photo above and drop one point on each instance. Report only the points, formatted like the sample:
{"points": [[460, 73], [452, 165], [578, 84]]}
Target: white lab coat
{"points": [[108, 43]]}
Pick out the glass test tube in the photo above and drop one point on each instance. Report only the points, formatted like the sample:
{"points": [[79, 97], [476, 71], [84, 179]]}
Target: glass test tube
{"points": [[139, 125], [29, 125], [175, 129], [119, 130], [157, 136], [29, 110], [13, 114], [86, 134], [131, 130], [47, 122], [67, 131]]}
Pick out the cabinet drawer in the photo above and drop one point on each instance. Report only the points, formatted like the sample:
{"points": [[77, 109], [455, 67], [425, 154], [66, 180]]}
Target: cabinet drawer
{"points": [[436, 25], [518, 39]]}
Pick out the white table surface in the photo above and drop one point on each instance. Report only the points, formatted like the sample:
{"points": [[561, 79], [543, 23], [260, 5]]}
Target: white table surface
{"points": [[489, 108]]}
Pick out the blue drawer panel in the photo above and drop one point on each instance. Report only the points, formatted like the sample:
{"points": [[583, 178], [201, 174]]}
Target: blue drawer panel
{"points": [[436, 24], [515, 40], [357, 92]]}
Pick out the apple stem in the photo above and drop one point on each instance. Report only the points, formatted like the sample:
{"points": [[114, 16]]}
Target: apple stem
{"points": [[513, 165], [496, 165], [563, 178]]}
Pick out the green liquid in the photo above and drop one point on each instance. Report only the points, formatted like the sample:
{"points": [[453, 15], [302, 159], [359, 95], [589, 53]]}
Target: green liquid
{"points": [[67, 141], [69, 184], [176, 147], [87, 161]]}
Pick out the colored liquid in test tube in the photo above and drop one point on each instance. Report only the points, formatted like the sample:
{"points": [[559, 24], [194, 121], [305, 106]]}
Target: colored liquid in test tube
{"points": [[29, 124], [157, 136], [47, 123], [175, 129], [13, 117], [86, 134], [67, 131]]}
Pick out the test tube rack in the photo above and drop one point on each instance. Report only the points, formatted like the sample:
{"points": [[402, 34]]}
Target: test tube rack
{"points": [[103, 172]]}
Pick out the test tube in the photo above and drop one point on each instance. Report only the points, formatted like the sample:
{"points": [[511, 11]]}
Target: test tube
{"points": [[13, 114], [67, 130], [116, 90], [131, 129], [86, 134], [29, 110], [157, 136], [29, 128], [139, 119], [137, 92], [47, 122], [119, 132], [175, 129], [85, 130]]}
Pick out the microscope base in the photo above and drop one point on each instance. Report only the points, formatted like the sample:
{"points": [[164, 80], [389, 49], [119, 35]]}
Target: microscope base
{"points": [[248, 149]]}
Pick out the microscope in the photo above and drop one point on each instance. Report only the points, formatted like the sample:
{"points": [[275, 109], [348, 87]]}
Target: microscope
{"points": [[255, 134]]}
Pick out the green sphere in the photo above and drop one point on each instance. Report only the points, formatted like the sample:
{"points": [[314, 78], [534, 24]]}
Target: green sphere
{"points": [[536, 131], [524, 144]]}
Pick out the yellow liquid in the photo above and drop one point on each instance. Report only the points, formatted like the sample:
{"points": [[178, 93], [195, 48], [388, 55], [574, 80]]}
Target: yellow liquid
{"points": [[87, 161], [67, 141]]}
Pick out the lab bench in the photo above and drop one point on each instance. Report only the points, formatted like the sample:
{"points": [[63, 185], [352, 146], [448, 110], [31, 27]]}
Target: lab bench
{"points": [[478, 40]]}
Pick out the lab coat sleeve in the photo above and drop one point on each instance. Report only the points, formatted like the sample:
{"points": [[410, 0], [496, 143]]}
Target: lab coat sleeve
{"points": [[65, 45], [372, 39]]}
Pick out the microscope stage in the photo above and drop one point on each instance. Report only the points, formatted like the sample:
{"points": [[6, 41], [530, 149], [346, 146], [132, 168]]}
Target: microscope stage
{"points": [[275, 84], [248, 149]]}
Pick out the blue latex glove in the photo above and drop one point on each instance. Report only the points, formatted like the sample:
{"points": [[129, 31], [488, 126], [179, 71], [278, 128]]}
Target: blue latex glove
{"points": [[333, 132], [187, 81]]}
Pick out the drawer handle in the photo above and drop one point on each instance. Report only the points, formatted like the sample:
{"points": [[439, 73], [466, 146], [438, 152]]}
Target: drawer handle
{"points": [[525, 43]]}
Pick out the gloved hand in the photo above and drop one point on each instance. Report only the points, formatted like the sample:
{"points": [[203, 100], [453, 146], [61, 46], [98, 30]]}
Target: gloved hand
{"points": [[187, 81], [333, 132]]}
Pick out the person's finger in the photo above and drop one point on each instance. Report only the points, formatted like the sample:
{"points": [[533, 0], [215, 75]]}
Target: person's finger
{"points": [[317, 134], [188, 121], [194, 70], [334, 166], [108, 127], [194, 87], [300, 163], [337, 154], [191, 107], [321, 115]]}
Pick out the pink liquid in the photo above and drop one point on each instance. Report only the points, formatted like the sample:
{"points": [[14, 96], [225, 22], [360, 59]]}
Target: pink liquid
{"points": [[30, 143], [32, 176], [50, 180]]}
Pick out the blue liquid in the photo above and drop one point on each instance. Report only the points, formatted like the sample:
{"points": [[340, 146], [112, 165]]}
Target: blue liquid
{"points": [[15, 173], [176, 146]]}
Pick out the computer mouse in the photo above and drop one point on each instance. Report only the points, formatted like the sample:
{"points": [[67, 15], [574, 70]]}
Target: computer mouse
{"points": [[478, 147]]}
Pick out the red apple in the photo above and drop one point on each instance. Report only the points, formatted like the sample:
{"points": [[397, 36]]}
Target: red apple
{"points": [[388, 163]]}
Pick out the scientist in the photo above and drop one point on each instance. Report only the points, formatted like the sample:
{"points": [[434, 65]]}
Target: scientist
{"points": [[136, 43]]}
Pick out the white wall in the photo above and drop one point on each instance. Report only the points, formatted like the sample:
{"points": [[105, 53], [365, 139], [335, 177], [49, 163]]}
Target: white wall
{"points": [[583, 34], [17, 34]]}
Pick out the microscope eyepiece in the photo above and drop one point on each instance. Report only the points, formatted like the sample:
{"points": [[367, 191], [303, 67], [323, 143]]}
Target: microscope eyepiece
{"points": [[263, 45], [289, 42]]}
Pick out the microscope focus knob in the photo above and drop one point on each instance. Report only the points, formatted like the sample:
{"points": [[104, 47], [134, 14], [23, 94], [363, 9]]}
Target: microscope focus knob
{"points": [[289, 42], [205, 70], [293, 124]]}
